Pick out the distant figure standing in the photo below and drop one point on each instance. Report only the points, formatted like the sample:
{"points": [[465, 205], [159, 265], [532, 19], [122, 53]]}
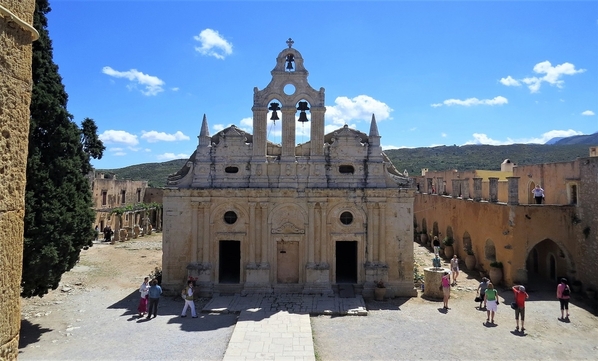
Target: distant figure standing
{"points": [[482, 290], [446, 289], [436, 244], [455, 268], [491, 299], [97, 229], [144, 290], [520, 297], [538, 194], [187, 295], [154, 297], [563, 293], [107, 234]]}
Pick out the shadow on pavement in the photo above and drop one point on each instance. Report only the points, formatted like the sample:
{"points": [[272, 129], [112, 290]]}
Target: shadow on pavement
{"points": [[205, 322], [393, 304], [30, 333]]}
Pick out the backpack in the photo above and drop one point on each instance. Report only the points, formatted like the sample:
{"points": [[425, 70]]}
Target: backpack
{"points": [[566, 291]]}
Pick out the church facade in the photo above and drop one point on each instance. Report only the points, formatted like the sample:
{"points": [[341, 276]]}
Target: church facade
{"points": [[246, 215]]}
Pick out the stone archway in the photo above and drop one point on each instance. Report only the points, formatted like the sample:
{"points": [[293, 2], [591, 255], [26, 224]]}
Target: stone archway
{"points": [[548, 261]]}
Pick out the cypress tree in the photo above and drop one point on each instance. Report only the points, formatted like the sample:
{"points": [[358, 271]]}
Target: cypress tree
{"points": [[58, 200]]}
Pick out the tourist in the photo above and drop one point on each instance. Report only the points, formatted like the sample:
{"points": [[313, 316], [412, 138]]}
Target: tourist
{"points": [[154, 297], [520, 297], [455, 268], [482, 290], [436, 244], [144, 290], [97, 229], [491, 300], [563, 293], [538, 194], [446, 289], [187, 295]]}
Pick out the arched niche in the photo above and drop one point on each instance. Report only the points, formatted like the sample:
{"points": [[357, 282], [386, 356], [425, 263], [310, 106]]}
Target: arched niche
{"points": [[490, 251]]}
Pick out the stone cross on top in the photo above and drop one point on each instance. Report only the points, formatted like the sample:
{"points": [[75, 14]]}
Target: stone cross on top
{"points": [[290, 43]]}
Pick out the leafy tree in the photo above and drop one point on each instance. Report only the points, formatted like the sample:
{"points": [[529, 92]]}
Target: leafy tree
{"points": [[58, 200]]}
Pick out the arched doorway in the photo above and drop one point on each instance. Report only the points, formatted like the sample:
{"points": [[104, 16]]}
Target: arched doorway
{"points": [[548, 261]]}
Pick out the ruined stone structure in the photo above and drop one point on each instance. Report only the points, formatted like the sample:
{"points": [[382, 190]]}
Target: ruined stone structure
{"points": [[110, 194], [16, 36], [494, 214], [247, 215]]}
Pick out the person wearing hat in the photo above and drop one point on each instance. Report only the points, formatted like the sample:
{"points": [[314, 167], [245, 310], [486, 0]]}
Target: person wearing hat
{"points": [[520, 297], [563, 293], [482, 290]]}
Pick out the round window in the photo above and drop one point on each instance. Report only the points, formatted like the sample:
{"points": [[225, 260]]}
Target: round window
{"points": [[289, 89], [346, 218], [230, 217]]}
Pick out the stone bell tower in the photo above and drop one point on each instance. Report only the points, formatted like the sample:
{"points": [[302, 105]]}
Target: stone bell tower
{"points": [[289, 86]]}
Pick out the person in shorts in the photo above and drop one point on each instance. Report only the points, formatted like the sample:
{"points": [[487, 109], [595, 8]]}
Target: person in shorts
{"points": [[563, 293], [482, 290], [455, 268], [436, 244], [520, 297]]}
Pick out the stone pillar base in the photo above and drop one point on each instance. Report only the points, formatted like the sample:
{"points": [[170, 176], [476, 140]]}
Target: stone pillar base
{"points": [[433, 281]]}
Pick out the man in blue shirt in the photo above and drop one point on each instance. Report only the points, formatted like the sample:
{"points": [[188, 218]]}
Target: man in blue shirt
{"points": [[154, 297]]}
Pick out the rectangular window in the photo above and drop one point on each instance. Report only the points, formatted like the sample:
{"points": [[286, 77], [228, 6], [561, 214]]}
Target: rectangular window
{"points": [[139, 195], [122, 197], [104, 195]]}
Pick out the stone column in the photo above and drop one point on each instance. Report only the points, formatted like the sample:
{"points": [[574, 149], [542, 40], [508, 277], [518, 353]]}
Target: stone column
{"points": [[429, 185], [16, 35], [265, 238], [370, 233], [477, 189], [493, 189], [317, 131], [260, 120], [252, 235], [440, 185], [288, 133], [196, 208], [455, 190], [513, 185], [311, 235], [323, 235], [205, 237], [465, 188], [382, 233]]}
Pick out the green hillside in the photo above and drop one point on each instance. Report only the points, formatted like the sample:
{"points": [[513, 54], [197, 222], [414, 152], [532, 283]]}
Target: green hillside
{"points": [[467, 157]]}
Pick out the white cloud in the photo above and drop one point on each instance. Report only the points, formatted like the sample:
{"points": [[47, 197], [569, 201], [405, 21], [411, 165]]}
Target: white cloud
{"points": [[588, 113], [212, 44], [153, 85], [119, 136], [154, 136], [359, 108], [171, 156], [479, 138], [509, 81], [175, 89], [552, 75], [443, 135], [499, 100]]}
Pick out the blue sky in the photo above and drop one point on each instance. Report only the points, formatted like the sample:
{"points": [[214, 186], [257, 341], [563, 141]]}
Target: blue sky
{"points": [[433, 73]]}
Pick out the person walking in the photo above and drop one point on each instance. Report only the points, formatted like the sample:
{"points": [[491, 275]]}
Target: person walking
{"points": [[187, 295], [144, 290], [538, 194], [455, 268], [154, 297], [520, 297], [97, 229], [482, 290], [563, 293], [436, 244], [491, 300], [446, 289]]}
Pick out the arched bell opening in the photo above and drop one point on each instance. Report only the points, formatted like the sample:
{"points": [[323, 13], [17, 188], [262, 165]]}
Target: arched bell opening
{"points": [[274, 126], [302, 128]]}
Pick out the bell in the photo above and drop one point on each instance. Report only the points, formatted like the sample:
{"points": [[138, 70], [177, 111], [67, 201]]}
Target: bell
{"points": [[290, 60], [274, 107], [303, 117], [289, 65]]}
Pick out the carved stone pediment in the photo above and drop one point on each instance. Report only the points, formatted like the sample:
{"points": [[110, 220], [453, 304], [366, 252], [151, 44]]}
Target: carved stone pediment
{"points": [[288, 228]]}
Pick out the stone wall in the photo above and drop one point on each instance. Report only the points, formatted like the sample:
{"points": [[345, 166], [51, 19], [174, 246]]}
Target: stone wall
{"points": [[15, 97]]}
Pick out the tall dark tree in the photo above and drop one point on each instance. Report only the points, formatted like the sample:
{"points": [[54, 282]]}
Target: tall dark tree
{"points": [[58, 214]]}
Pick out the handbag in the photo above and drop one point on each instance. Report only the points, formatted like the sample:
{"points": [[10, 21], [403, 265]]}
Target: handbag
{"points": [[478, 299], [514, 305]]}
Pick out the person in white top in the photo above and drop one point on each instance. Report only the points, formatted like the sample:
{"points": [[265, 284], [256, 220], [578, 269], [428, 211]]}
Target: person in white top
{"points": [[187, 295], [144, 289], [538, 194]]}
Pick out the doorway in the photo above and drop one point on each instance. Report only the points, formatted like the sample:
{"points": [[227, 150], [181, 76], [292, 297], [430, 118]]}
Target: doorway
{"points": [[287, 262], [346, 262], [229, 269]]}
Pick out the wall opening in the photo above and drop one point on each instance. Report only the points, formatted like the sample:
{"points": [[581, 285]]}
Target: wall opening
{"points": [[346, 262], [573, 194], [229, 265], [490, 251]]}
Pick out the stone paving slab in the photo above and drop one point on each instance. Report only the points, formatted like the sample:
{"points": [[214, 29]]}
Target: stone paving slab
{"points": [[265, 335], [294, 303]]}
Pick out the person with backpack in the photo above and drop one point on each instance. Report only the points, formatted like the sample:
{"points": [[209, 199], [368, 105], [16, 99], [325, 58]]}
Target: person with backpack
{"points": [[563, 293]]}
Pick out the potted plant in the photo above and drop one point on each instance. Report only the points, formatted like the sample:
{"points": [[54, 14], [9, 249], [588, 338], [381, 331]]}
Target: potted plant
{"points": [[379, 290], [448, 247], [424, 238], [470, 260], [495, 272]]}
